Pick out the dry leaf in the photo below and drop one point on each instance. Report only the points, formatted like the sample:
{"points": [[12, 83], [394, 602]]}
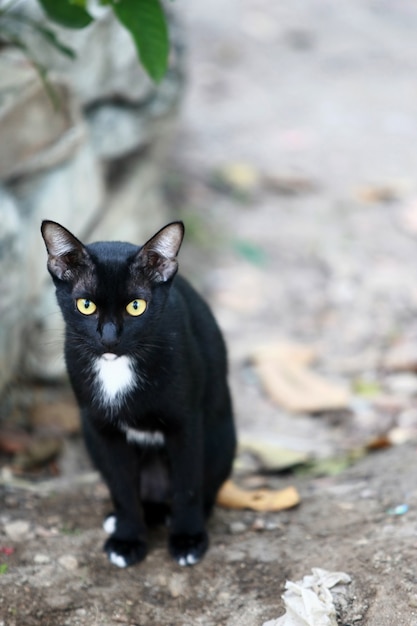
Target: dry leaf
{"points": [[283, 351], [271, 456], [374, 194], [299, 390], [291, 385], [231, 496]]}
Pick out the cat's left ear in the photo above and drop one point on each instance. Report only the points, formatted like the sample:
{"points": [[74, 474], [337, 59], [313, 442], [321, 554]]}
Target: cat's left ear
{"points": [[158, 257], [66, 254]]}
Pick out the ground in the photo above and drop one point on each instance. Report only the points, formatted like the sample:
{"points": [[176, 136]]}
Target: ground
{"points": [[294, 170]]}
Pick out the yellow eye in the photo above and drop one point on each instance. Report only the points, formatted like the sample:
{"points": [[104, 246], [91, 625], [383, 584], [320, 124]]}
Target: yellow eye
{"points": [[136, 307], [86, 306]]}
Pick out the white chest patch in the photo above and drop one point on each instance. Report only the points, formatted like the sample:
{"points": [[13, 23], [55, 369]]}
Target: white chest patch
{"points": [[115, 377], [145, 437]]}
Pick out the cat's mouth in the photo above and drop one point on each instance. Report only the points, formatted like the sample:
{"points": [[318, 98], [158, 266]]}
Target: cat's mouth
{"points": [[109, 356]]}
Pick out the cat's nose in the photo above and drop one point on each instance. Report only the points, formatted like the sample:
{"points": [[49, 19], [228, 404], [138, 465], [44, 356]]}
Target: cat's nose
{"points": [[109, 337]]}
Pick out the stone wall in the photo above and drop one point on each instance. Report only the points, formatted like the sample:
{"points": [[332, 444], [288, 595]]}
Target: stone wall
{"points": [[92, 160]]}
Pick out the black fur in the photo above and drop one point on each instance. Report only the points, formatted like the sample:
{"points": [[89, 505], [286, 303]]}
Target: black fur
{"points": [[181, 391]]}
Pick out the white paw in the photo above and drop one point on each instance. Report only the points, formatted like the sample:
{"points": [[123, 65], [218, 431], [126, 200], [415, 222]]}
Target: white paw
{"points": [[190, 559], [117, 559], [109, 525]]}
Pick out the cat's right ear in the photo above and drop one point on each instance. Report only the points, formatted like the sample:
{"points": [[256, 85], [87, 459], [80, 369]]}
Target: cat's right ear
{"points": [[65, 252]]}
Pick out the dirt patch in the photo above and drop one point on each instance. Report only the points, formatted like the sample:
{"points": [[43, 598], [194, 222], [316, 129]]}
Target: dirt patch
{"points": [[58, 573]]}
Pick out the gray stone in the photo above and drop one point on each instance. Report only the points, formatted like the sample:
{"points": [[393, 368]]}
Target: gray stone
{"points": [[38, 132], [41, 559], [17, 530], [12, 298], [68, 562]]}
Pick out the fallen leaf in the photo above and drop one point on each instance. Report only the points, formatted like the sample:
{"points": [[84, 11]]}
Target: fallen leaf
{"points": [[289, 383], [250, 251], [366, 388], [239, 179], [231, 496], [299, 390], [401, 357], [273, 457], [289, 185], [284, 351], [375, 194], [332, 466]]}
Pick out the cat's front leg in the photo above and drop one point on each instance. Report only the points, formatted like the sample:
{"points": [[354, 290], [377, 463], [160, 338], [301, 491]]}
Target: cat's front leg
{"points": [[115, 459], [188, 539]]}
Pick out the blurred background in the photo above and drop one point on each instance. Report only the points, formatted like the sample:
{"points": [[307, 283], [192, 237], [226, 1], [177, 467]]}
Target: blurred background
{"points": [[284, 136]]}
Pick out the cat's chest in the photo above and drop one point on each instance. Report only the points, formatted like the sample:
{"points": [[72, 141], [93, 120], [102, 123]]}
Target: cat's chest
{"points": [[114, 378]]}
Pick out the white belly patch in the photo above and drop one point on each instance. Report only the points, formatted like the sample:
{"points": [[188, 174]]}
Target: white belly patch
{"points": [[145, 437], [115, 377]]}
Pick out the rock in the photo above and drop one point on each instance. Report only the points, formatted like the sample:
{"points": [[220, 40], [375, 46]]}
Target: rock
{"points": [[412, 600], [41, 559], [40, 452], [68, 562], [58, 601], [14, 441], [60, 417], [17, 530], [117, 129], [403, 384], [177, 585], [12, 269], [237, 528], [35, 130]]}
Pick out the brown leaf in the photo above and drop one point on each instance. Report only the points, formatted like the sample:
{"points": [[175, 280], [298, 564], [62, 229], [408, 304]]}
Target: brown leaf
{"points": [[290, 384], [299, 390]]}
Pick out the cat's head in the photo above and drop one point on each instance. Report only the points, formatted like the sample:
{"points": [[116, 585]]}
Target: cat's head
{"points": [[112, 293]]}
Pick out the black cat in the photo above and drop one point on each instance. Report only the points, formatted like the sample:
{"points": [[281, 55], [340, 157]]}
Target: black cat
{"points": [[147, 363]]}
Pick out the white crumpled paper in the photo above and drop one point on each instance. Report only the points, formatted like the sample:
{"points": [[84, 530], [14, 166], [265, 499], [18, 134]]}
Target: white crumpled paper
{"points": [[308, 602]]}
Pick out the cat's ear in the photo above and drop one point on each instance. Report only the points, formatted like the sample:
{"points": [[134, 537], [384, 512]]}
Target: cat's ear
{"points": [[65, 252], [158, 257]]}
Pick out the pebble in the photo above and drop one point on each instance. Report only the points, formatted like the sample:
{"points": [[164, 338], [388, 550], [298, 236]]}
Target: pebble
{"points": [[236, 528], [58, 600], [17, 530], [412, 600], [176, 586], [41, 559], [403, 384], [68, 562]]}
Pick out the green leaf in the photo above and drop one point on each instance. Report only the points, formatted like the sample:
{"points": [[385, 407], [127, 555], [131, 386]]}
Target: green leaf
{"points": [[66, 13], [3, 568], [145, 20]]}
